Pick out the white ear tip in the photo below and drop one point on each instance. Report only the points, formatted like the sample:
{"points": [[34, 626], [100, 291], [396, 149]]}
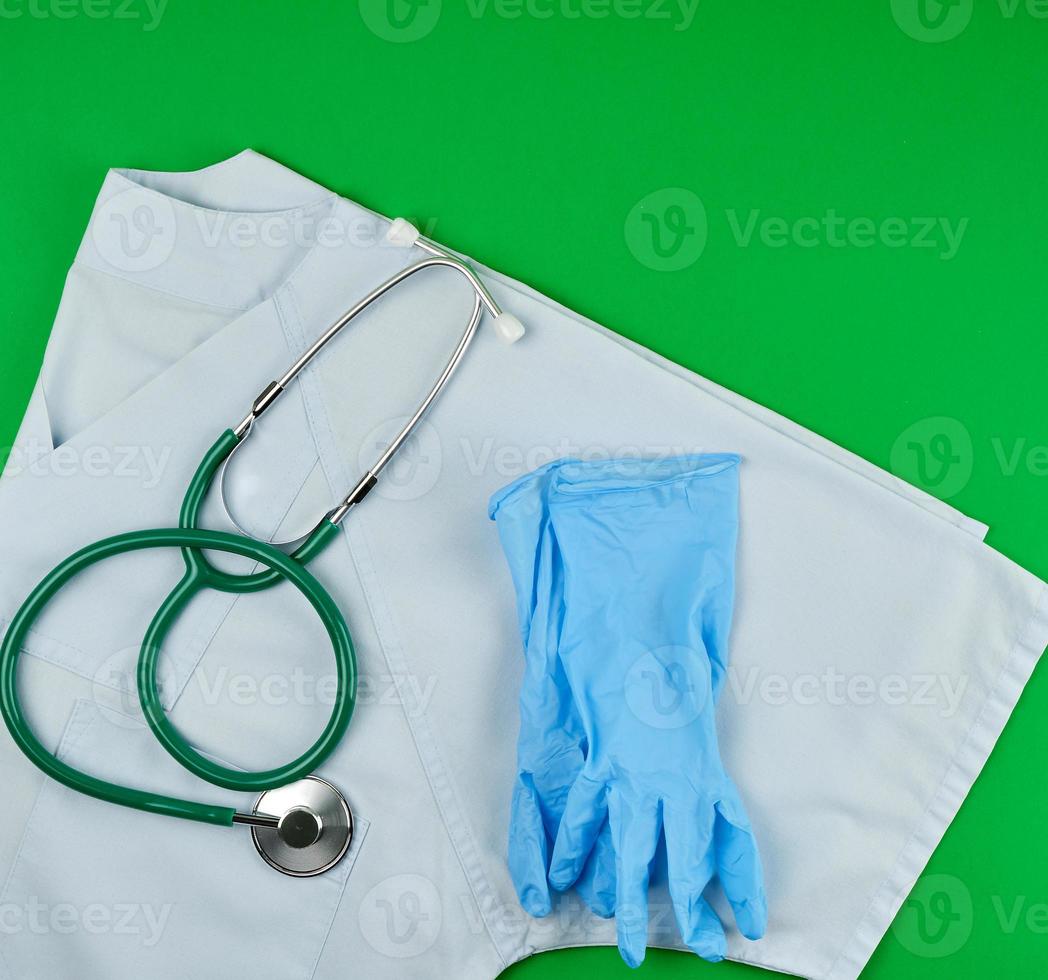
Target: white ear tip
{"points": [[509, 328], [402, 232]]}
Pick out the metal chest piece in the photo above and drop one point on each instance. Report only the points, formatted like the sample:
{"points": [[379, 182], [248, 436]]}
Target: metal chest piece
{"points": [[314, 831]]}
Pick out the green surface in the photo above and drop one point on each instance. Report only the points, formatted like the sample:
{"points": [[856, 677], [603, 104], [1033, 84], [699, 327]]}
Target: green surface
{"points": [[531, 140]]}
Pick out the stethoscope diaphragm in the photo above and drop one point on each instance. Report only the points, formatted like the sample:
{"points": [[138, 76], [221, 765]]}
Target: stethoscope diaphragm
{"points": [[314, 828]]}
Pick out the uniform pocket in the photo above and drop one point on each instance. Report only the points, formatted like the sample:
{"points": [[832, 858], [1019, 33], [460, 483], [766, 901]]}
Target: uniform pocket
{"points": [[101, 891]]}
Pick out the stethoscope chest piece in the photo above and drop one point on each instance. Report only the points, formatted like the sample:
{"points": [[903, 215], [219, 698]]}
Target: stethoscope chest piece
{"points": [[314, 831]]}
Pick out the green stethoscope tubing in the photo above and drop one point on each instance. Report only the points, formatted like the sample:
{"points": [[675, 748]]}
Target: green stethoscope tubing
{"points": [[317, 541], [200, 574]]}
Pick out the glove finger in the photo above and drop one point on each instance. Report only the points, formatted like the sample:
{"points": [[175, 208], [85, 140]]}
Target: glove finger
{"points": [[584, 814], [596, 886], [739, 868], [635, 829], [690, 864], [529, 849]]}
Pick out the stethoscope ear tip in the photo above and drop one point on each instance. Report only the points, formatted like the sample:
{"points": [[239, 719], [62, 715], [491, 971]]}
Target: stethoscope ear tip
{"points": [[402, 232], [508, 328]]}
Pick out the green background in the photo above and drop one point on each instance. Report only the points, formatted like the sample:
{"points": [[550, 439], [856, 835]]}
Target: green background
{"points": [[531, 138]]}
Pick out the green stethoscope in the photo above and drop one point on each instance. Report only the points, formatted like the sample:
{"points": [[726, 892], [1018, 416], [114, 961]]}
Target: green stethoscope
{"points": [[301, 824]]}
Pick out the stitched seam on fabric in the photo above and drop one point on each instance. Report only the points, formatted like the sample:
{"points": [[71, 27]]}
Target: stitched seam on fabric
{"points": [[313, 255], [291, 323], [209, 628], [678, 948], [435, 772], [289, 319], [357, 847], [209, 622], [960, 770], [289, 490], [46, 656], [83, 264], [319, 421], [46, 637], [50, 657], [64, 744], [75, 731], [433, 766], [122, 175]]}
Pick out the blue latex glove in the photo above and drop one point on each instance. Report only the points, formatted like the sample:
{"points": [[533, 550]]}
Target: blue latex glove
{"points": [[551, 747], [648, 553]]}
